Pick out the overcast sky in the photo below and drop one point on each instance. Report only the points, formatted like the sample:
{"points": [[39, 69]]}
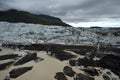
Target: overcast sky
{"points": [[76, 12]]}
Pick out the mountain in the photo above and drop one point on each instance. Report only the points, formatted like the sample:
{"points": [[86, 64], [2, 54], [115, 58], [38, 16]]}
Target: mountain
{"points": [[15, 16]]}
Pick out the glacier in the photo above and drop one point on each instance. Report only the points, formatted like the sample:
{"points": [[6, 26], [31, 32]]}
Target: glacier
{"points": [[36, 33]]}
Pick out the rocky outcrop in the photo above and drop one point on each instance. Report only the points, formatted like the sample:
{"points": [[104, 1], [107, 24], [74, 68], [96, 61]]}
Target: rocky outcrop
{"points": [[110, 61], [26, 58], [85, 62], [5, 65], [61, 55], [8, 56], [19, 71]]}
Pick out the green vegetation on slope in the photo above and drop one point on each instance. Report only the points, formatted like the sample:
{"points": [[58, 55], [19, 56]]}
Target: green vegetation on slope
{"points": [[25, 17]]}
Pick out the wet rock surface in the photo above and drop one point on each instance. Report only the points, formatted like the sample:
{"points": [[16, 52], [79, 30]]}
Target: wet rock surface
{"points": [[106, 77], [0, 49], [92, 67], [19, 71], [91, 71], [72, 62], [5, 65], [86, 62], [26, 58], [111, 62], [80, 76], [38, 59], [68, 71], [8, 56], [61, 55], [60, 76]]}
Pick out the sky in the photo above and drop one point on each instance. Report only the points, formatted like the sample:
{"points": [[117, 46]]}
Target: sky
{"points": [[79, 13]]}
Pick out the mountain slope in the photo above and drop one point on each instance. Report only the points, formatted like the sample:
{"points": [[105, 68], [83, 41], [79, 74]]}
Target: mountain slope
{"points": [[15, 16]]}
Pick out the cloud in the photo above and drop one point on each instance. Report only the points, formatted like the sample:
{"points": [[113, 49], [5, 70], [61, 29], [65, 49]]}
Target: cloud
{"points": [[69, 10]]}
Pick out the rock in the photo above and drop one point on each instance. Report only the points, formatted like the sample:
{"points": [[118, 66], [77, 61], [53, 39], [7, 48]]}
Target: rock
{"points": [[109, 73], [5, 65], [60, 76], [38, 59], [62, 55], [19, 71], [114, 79], [80, 76], [110, 61], [85, 62], [91, 71], [69, 71], [83, 51], [8, 56], [105, 77], [26, 59], [7, 78], [0, 49], [72, 62]]}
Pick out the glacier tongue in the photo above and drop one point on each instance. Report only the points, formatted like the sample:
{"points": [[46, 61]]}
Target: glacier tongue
{"points": [[36, 33]]}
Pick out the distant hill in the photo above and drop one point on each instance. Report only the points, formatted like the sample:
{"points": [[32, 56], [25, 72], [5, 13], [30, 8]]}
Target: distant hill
{"points": [[15, 16]]}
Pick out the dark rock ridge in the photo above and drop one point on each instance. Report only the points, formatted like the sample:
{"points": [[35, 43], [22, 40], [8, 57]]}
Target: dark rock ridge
{"points": [[61, 55], [26, 58], [50, 47], [19, 71], [60, 76], [8, 56], [5, 65], [15, 16]]}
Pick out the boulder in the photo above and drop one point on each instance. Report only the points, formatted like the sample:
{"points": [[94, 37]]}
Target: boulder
{"points": [[69, 71], [60, 76], [19, 71]]}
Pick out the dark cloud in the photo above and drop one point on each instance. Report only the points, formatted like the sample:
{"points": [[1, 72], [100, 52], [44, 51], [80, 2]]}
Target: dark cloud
{"points": [[68, 10]]}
